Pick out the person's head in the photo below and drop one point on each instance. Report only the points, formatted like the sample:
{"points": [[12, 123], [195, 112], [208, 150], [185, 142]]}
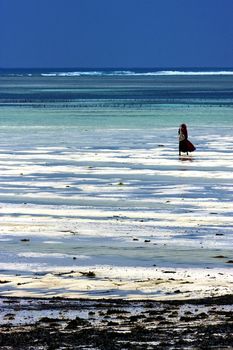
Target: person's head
{"points": [[183, 126]]}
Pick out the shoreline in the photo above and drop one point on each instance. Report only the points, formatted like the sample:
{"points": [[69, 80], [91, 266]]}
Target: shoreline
{"points": [[220, 300]]}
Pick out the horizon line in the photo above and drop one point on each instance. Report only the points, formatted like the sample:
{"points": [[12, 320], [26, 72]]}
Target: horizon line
{"points": [[122, 67]]}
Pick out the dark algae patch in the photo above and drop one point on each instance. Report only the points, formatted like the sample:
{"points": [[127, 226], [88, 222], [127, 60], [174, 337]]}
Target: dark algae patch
{"points": [[118, 324]]}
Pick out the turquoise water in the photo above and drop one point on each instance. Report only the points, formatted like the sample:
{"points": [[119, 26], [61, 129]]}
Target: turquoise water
{"points": [[116, 101], [118, 118]]}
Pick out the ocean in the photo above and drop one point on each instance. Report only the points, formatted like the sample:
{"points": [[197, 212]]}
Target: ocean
{"points": [[91, 179]]}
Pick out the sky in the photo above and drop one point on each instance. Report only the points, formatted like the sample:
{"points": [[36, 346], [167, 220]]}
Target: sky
{"points": [[116, 33]]}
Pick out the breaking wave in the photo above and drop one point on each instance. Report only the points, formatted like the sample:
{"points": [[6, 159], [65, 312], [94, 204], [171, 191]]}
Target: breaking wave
{"points": [[135, 73]]}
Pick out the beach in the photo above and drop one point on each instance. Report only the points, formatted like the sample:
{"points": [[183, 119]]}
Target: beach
{"points": [[95, 202]]}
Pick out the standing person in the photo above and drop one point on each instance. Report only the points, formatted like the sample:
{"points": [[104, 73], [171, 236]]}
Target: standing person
{"points": [[184, 144]]}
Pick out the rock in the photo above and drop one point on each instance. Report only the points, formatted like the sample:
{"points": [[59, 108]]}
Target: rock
{"points": [[88, 274], [169, 271], [49, 320], [73, 324]]}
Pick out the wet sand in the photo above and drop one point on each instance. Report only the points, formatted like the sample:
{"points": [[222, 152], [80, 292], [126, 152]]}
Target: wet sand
{"points": [[119, 203]]}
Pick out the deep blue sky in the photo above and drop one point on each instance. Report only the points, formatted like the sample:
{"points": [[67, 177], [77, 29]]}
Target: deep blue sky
{"points": [[116, 33]]}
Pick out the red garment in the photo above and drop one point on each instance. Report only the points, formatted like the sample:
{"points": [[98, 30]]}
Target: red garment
{"points": [[190, 146]]}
